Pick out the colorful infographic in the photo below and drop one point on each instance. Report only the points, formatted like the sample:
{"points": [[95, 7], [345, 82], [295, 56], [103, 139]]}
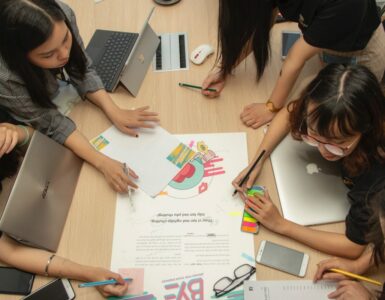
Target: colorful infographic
{"points": [[197, 174]]}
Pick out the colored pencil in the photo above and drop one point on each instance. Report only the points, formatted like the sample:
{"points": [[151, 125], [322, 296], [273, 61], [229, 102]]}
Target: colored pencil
{"points": [[98, 283], [196, 87], [355, 276]]}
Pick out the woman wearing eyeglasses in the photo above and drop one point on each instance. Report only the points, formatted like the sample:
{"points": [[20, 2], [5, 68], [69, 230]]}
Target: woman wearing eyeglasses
{"points": [[342, 113]]}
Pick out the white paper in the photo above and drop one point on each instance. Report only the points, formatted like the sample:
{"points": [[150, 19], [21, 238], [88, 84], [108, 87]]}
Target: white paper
{"points": [[185, 239], [147, 155], [288, 289]]}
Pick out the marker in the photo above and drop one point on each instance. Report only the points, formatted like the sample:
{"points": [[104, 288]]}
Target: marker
{"points": [[196, 87], [355, 276], [250, 170], [99, 283]]}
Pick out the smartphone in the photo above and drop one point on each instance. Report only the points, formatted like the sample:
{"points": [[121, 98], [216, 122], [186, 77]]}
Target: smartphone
{"points": [[288, 40], [14, 281], [282, 258], [59, 289]]}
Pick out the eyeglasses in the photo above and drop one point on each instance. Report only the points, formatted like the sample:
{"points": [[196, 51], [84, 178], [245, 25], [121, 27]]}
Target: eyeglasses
{"points": [[334, 149], [226, 285]]}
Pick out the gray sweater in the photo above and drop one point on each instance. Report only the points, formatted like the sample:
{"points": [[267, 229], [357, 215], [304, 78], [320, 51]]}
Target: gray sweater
{"points": [[15, 99]]}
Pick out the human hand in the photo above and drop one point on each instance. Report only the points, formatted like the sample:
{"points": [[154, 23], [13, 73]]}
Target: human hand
{"points": [[100, 274], [348, 265], [350, 290], [255, 115], [250, 180], [213, 81], [9, 137], [264, 210], [115, 175], [127, 120]]}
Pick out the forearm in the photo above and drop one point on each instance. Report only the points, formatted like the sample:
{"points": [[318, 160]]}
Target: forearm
{"points": [[82, 148], [277, 130], [328, 242], [285, 82], [35, 261], [103, 100]]}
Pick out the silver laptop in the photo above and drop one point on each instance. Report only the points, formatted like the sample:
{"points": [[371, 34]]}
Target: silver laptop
{"points": [[38, 202], [310, 188], [123, 56]]}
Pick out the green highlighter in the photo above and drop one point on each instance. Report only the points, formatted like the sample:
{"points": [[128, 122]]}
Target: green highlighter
{"points": [[249, 223]]}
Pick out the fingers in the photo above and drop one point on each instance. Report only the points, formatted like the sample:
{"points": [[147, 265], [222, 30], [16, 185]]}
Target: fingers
{"points": [[116, 290], [8, 140], [333, 276], [324, 266], [128, 131]]}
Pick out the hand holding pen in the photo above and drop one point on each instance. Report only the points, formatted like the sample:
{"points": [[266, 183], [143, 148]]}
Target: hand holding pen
{"points": [[107, 282], [248, 175]]}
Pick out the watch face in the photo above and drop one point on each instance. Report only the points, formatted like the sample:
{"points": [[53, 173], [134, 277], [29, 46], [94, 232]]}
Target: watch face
{"points": [[270, 106]]}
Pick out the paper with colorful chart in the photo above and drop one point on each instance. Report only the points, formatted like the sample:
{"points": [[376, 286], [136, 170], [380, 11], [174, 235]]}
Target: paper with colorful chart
{"points": [[156, 156], [178, 244]]}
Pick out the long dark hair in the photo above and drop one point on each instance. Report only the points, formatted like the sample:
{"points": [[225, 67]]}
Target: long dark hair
{"points": [[242, 24], [25, 25], [347, 100]]}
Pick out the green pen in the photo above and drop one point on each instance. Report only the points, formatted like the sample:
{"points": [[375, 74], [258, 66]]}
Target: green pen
{"points": [[196, 87]]}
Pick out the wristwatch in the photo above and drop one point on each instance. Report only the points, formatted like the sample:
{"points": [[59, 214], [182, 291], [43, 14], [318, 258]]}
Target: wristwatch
{"points": [[271, 107]]}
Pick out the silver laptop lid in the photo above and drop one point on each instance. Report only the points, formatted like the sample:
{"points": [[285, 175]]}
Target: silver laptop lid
{"points": [[140, 58], [40, 198], [310, 188]]}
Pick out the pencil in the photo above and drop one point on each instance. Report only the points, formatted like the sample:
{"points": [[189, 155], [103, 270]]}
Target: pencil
{"points": [[196, 87], [98, 283], [355, 276], [250, 170]]}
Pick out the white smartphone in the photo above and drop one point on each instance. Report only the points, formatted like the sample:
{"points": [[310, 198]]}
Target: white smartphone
{"points": [[288, 40], [282, 258], [59, 289]]}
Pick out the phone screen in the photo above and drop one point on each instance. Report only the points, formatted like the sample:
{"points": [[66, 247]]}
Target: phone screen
{"points": [[53, 290], [14, 281], [288, 40], [282, 258]]}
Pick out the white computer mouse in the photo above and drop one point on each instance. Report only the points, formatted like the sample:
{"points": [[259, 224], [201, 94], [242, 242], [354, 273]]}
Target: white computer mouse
{"points": [[200, 53]]}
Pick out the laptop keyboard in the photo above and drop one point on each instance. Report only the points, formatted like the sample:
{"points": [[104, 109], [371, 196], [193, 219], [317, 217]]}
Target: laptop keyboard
{"points": [[117, 49]]}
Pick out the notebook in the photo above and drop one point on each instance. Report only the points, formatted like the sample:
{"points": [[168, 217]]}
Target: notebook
{"points": [[123, 56], [37, 204], [288, 289], [310, 188]]}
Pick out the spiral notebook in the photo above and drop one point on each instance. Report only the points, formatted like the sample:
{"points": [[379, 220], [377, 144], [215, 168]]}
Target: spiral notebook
{"points": [[288, 289]]}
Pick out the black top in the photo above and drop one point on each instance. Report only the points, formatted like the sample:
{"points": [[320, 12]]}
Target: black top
{"points": [[340, 25], [362, 188]]}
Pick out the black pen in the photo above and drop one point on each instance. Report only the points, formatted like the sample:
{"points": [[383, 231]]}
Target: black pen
{"points": [[250, 170]]}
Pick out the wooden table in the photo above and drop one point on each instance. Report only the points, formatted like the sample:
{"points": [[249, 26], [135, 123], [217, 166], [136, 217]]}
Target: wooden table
{"points": [[87, 236]]}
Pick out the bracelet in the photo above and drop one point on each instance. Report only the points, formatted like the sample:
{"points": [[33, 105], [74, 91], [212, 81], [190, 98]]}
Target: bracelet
{"points": [[47, 265], [26, 139]]}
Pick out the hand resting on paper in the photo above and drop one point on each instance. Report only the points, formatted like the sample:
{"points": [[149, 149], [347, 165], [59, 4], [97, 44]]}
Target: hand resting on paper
{"points": [[351, 290], [115, 175], [127, 120]]}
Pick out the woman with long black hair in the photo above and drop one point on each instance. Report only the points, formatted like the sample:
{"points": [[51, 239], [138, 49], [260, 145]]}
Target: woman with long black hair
{"points": [[341, 112], [40, 47], [339, 31]]}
